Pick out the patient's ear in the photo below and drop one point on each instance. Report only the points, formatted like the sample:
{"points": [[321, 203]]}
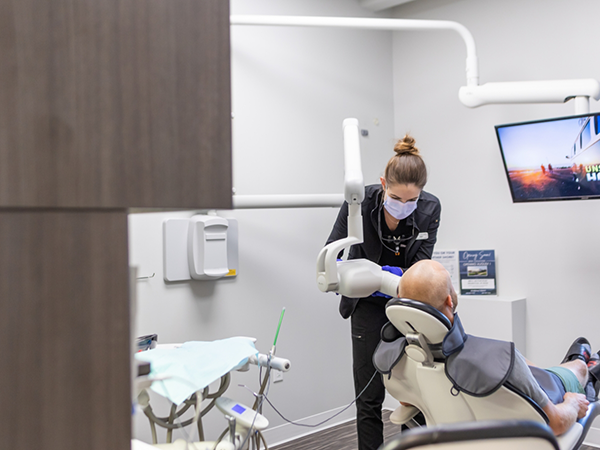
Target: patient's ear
{"points": [[449, 303], [449, 306]]}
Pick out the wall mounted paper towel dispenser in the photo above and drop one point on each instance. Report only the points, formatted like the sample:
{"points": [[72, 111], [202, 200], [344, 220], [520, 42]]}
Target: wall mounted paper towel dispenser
{"points": [[204, 247]]}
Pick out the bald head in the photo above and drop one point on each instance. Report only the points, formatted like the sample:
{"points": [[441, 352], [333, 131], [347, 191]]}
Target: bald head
{"points": [[429, 282]]}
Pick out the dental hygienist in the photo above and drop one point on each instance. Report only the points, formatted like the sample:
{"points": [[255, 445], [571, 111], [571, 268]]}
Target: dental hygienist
{"points": [[400, 223]]}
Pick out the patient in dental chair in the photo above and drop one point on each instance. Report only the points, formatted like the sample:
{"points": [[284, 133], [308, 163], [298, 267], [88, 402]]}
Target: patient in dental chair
{"points": [[564, 401]]}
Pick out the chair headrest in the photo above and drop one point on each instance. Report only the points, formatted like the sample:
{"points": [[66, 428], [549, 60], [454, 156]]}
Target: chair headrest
{"points": [[410, 316]]}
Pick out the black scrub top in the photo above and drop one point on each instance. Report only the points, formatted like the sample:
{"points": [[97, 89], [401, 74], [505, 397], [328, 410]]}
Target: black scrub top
{"points": [[421, 226]]}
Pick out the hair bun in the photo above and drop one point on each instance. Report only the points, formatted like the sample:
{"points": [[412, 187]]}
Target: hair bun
{"points": [[406, 146]]}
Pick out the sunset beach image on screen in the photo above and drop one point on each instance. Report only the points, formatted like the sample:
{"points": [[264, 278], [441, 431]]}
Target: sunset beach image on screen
{"points": [[553, 159]]}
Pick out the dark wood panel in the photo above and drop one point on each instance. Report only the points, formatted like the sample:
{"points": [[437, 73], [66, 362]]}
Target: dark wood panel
{"points": [[115, 103], [64, 328]]}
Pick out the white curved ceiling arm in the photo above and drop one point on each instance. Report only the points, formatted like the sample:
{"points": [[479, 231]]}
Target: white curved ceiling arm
{"points": [[546, 91], [471, 95], [582, 104], [372, 24], [287, 201]]}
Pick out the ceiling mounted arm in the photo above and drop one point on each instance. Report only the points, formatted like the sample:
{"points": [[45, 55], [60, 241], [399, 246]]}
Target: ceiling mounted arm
{"points": [[471, 95], [373, 24], [547, 91]]}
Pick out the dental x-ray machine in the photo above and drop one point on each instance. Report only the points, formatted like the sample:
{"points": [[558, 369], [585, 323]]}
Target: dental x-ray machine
{"points": [[356, 278]]}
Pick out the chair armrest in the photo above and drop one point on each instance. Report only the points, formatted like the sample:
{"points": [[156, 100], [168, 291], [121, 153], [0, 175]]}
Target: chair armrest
{"points": [[586, 422]]}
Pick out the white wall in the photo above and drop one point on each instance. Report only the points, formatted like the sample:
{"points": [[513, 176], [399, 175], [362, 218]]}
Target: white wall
{"points": [[548, 251], [292, 88]]}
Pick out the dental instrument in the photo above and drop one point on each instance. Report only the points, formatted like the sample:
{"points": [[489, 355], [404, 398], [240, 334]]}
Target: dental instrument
{"points": [[183, 373]]}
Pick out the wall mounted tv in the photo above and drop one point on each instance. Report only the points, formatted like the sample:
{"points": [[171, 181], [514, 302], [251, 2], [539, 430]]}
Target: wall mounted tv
{"points": [[553, 159]]}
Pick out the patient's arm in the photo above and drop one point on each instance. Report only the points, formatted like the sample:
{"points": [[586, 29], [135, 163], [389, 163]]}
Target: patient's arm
{"points": [[564, 415]]}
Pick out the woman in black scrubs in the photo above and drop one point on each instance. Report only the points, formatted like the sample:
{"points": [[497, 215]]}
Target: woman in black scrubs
{"points": [[400, 223]]}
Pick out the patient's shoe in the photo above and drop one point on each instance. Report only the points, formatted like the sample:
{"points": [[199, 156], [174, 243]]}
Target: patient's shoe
{"points": [[594, 365], [580, 349], [593, 385]]}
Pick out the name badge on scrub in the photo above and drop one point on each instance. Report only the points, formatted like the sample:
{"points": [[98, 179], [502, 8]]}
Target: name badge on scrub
{"points": [[422, 236]]}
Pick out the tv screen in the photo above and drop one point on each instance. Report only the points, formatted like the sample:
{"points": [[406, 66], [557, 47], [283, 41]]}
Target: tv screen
{"points": [[553, 159]]}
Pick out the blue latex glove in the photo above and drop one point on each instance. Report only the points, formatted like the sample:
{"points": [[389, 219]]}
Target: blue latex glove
{"points": [[391, 269]]}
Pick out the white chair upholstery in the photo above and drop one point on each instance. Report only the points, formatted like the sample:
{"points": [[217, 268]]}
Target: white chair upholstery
{"points": [[424, 384]]}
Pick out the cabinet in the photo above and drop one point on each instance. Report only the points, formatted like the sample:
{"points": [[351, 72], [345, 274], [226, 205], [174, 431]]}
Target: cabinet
{"points": [[115, 103], [64, 325]]}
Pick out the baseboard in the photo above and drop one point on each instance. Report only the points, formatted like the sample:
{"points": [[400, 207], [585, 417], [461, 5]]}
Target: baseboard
{"points": [[288, 432]]}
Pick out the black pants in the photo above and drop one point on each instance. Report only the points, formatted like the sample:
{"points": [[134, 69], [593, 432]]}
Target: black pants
{"points": [[367, 320]]}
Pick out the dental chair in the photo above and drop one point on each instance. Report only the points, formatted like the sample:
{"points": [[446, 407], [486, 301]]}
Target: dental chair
{"points": [[414, 372]]}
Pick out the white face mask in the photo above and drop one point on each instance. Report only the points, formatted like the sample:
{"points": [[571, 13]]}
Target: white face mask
{"points": [[399, 210]]}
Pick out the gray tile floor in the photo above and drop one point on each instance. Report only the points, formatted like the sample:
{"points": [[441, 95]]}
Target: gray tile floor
{"points": [[340, 437]]}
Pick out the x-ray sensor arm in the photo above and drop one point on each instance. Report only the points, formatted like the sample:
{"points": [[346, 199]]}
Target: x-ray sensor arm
{"points": [[354, 192], [358, 277]]}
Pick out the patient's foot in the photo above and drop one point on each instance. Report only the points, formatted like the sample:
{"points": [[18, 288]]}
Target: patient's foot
{"points": [[580, 349], [593, 385], [594, 365]]}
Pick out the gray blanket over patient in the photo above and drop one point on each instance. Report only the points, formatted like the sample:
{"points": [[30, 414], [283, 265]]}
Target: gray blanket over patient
{"points": [[475, 366]]}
